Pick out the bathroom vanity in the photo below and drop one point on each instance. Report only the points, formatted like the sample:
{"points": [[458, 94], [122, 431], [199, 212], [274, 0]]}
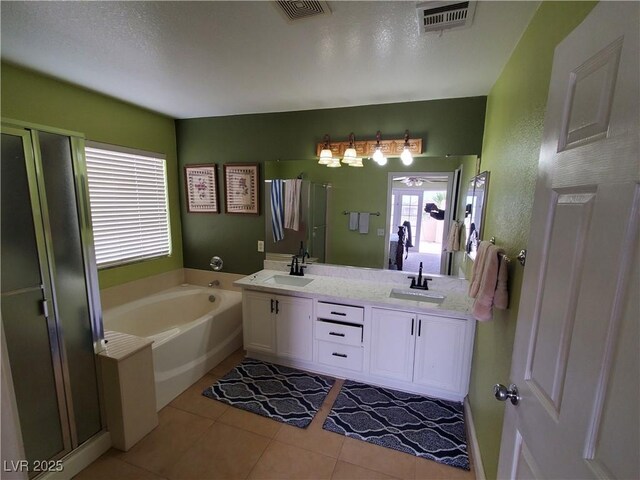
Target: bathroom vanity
{"points": [[372, 329]]}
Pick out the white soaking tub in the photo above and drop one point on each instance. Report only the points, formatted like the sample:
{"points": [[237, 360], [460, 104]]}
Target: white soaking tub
{"points": [[193, 329]]}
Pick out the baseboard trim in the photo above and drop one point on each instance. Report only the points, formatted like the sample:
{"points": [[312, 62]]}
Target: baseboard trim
{"points": [[473, 442], [81, 457]]}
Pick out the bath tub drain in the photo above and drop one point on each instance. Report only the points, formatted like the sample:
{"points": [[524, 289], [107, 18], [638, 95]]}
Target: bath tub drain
{"points": [[212, 298]]}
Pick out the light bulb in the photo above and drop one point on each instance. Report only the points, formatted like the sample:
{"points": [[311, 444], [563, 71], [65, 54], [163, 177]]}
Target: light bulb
{"points": [[406, 157], [335, 163], [379, 157]]}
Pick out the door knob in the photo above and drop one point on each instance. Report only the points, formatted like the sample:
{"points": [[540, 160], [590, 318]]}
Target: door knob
{"points": [[503, 393]]}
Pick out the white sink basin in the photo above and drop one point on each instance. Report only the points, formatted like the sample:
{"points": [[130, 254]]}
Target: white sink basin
{"points": [[289, 280], [417, 295]]}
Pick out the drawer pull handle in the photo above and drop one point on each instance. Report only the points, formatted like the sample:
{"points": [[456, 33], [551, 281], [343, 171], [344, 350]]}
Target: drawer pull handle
{"points": [[336, 334], [342, 314], [343, 355]]}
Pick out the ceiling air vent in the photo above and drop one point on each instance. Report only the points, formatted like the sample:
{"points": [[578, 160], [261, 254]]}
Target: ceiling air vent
{"points": [[437, 16], [295, 10]]}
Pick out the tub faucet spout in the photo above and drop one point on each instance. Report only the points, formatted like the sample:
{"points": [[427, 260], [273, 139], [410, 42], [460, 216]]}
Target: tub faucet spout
{"points": [[214, 283]]}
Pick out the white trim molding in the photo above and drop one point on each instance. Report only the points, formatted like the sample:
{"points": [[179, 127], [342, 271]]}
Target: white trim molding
{"points": [[473, 442]]}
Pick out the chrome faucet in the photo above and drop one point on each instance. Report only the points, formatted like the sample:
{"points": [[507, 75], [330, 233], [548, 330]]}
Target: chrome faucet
{"points": [[214, 283]]}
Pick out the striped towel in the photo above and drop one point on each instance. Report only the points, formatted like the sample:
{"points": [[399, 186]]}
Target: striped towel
{"points": [[277, 210]]}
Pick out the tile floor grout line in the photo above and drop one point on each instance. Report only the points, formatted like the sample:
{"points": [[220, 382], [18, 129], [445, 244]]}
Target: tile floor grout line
{"points": [[259, 458]]}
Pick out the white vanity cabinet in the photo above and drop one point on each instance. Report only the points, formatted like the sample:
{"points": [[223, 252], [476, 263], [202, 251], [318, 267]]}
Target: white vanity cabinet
{"points": [[339, 333], [392, 344], [440, 353], [431, 352], [278, 324], [403, 345]]}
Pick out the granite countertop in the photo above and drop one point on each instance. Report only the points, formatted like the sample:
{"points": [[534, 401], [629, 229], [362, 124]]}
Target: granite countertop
{"points": [[361, 292]]}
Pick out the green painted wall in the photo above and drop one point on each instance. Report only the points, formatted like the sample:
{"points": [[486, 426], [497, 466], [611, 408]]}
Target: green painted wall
{"points": [[452, 126], [35, 98], [512, 137]]}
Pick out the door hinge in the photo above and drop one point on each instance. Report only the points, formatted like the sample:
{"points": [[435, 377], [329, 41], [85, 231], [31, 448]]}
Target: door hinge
{"points": [[44, 305]]}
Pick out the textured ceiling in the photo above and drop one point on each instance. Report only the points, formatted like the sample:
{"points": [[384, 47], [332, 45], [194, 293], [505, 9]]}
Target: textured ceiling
{"points": [[196, 59]]}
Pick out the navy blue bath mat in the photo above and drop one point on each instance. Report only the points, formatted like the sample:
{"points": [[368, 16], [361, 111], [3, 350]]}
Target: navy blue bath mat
{"points": [[281, 393], [422, 426]]}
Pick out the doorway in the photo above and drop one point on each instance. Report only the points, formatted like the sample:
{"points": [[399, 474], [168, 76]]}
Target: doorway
{"points": [[417, 212]]}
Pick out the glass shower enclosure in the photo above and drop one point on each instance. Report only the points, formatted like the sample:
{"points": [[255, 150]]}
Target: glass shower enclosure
{"points": [[50, 302]]}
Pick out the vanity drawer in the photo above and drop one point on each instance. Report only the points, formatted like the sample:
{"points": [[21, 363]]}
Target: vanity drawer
{"points": [[342, 356], [342, 313], [339, 332]]}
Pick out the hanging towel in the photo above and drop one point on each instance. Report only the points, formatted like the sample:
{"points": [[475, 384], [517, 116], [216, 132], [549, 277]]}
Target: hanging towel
{"points": [[501, 299], [478, 269], [453, 240], [353, 220], [363, 222], [482, 307], [292, 204], [277, 211]]}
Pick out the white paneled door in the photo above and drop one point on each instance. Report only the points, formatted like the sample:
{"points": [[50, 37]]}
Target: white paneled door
{"points": [[576, 361]]}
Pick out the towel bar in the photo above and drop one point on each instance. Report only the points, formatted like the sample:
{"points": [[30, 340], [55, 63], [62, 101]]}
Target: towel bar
{"points": [[521, 257], [377, 214]]}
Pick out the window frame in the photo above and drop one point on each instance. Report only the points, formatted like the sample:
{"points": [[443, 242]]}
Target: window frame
{"points": [[117, 149]]}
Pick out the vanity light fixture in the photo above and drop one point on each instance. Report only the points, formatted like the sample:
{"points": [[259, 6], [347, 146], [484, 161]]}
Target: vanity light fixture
{"points": [[326, 157], [406, 157], [378, 156], [350, 154]]}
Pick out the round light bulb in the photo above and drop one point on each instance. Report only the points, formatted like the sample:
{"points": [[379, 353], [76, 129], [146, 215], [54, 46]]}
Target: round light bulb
{"points": [[379, 157], [406, 157]]}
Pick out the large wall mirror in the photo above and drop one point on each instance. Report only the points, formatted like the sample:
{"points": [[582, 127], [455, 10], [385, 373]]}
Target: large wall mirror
{"points": [[329, 196], [476, 200]]}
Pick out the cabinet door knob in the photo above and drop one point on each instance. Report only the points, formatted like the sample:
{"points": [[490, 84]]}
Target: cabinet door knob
{"points": [[272, 305], [419, 327], [413, 321], [277, 306], [336, 334], [339, 355]]}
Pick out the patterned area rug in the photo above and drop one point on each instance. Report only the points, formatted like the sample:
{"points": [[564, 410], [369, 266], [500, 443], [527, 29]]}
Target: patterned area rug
{"points": [[422, 426], [281, 393]]}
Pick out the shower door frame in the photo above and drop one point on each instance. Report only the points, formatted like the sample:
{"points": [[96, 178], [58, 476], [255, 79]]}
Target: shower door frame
{"points": [[29, 133], [55, 344]]}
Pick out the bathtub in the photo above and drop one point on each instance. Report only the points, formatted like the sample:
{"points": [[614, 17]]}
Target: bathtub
{"points": [[191, 334]]}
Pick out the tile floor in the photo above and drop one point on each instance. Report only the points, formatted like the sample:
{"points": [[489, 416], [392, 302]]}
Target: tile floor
{"points": [[200, 438]]}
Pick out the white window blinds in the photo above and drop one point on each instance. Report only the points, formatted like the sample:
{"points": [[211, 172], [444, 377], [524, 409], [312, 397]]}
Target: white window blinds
{"points": [[129, 210]]}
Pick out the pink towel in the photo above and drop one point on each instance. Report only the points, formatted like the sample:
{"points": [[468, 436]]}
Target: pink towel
{"points": [[482, 307], [478, 268], [501, 298]]}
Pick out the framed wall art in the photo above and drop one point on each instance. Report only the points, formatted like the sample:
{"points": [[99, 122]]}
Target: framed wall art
{"points": [[241, 188], [201, 188]]}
